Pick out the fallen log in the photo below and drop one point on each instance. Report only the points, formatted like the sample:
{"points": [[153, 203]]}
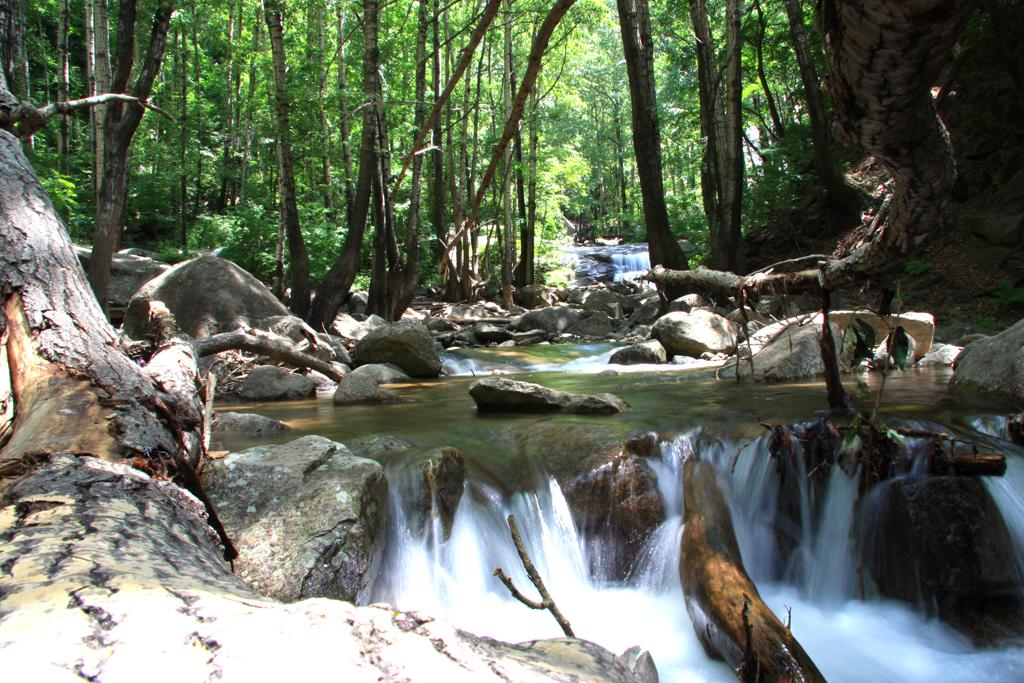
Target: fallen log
{"points": [[980, 465], [731, 620], [243, 341]]}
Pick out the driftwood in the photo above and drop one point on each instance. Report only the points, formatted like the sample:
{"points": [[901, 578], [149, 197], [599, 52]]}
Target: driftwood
{"points": [[244, 341], [545, 602], [731, 620]]}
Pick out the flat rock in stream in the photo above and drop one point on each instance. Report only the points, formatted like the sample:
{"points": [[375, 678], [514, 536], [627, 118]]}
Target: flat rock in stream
{"points": [[249, 424], [307, 517], [497, 394]]}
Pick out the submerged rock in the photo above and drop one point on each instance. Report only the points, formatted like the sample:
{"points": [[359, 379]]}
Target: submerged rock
{"points": [[307, 517], [497, 394], [356, 389], [443, 478], [994, 365], [406, 344]]}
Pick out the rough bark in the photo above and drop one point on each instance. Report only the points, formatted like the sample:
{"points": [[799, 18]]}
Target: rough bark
{"points": [[731, 620], [244, 341], [288, 207], [778, 129], [638, 48]]}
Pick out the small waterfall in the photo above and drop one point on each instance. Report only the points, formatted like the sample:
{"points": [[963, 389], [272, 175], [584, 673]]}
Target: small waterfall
{"points": [[849, 639], [630, 266]]}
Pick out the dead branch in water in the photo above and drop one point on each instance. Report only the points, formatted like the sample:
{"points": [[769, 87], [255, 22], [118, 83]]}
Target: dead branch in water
{"points": [[545, 601]]}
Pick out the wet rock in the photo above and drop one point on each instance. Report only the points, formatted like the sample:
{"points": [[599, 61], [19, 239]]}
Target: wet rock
{"points": [[488, 333], [617, 506], [207, 295], [691, 334], [595, 325], [497, 394], [552, 320], [614, 304], [271, 383], [994, 365], [307, 517], [529, 337], [406, 343], [443, 478], [381, 373], [249, 424], [375, 445], [356, 389], [941, 542], [645, 352], [535, 296]]}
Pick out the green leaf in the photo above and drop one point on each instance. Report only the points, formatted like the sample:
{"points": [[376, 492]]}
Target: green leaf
{"points": [[899, 348]]}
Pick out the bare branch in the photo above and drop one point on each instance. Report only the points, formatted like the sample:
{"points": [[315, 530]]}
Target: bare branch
{"points": [[531, 571], [242, 340], [25, 119]]}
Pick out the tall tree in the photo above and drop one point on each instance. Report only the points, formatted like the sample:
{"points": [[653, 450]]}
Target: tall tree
{"points": [[840, 196], [638, 48], [288, 206], [120, 123], [722, 128]]}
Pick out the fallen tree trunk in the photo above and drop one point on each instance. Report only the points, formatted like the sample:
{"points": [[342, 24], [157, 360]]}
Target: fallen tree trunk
{"points": [[243, 341], [731, 620]]}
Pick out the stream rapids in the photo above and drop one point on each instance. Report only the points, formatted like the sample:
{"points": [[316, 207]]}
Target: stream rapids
{"points": [[513, 463]]}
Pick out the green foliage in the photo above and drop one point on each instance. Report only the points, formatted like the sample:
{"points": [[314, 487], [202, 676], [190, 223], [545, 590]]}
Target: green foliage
{"points": [[246, 235], [1008, 295], [915, 267]]}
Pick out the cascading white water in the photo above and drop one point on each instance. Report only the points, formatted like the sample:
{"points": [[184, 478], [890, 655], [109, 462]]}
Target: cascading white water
{"points": [[850, 640], [630, 266]]}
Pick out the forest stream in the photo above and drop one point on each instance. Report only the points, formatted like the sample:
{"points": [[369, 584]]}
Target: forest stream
{"points": [[513, 462]]}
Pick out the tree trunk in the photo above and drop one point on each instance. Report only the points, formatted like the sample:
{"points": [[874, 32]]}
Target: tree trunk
{"points": [[257, 47], [638, 48], [507, 243], [344, 126], [101, 52], [710, 117], [841, 197], [181, 57], [731, 201], [777, 128], [438, 215], [63, 81], [288, 206], [730, 618], [120, 125]]}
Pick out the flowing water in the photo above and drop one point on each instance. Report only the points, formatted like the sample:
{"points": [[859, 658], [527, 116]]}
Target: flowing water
{"points": [[513, 464]]}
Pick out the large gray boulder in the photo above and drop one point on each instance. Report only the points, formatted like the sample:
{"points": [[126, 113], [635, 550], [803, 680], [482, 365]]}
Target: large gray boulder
{"points": [[271, 383], [307, 517], [406, 344], [645, 352], [352, 329], [552, 320], [207, 295], [128, 272], [994, 365], [595, 325], [497, 394], [793, 353], [606, 301], [247, 424], [694, 333]]}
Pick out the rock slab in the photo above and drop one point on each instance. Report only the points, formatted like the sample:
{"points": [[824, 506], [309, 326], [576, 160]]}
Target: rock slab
{"points": [[497, 394], [994, 365], [307, 517], [406, 344]]}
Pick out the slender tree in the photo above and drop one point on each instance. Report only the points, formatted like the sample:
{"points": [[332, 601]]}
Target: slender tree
{"points": [[121, 122], [288, 206], [638, 48]]}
